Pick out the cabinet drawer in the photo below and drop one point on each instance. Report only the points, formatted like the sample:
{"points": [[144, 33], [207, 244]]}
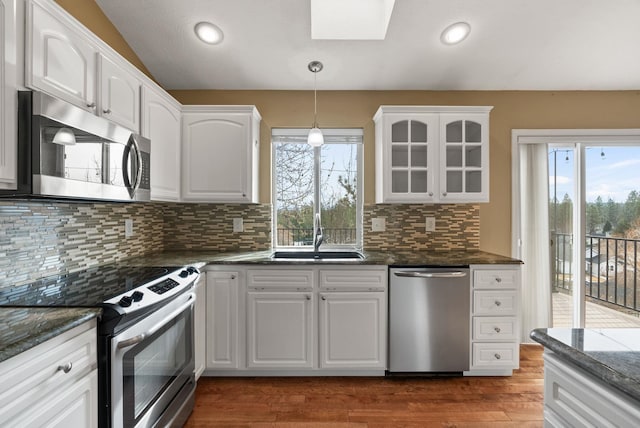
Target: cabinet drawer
{"points": [[280, 279], [496, 279], [355, 279], [36, 374], [494, 328], [494, 302], [488, 355]]}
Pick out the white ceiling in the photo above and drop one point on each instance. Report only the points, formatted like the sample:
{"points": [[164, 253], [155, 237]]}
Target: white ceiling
{"points": [[513, 45]]}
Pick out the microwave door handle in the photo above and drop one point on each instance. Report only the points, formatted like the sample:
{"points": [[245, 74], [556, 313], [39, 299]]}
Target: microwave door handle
{"points": [[140, 337], [125, 168], [139, 162]]}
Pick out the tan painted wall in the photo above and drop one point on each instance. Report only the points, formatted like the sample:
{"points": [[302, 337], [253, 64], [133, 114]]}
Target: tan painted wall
{"points": [[512, 110]]}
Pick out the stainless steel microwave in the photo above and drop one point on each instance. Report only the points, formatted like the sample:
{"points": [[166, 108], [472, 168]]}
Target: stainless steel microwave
{"points": [[69, 153]]}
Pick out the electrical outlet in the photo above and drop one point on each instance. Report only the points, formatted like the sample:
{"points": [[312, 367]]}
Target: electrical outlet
{"points": [[238, 225], [378, 224], [430, 224], [128, 228]]}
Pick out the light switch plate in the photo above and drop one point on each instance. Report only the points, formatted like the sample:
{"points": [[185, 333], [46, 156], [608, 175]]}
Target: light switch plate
{"points": [[430, 224], [378, 224], [238, 225]]}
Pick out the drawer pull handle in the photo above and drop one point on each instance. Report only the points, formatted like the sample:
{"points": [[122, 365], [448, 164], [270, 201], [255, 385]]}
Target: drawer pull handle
{"points": [[498, 280], [498, 302], [497, 329], [497, 356], [66, 368]]}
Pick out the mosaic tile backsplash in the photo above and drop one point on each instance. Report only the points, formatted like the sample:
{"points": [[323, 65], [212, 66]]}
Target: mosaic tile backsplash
{"points": [[39, 238], [457, 227]]}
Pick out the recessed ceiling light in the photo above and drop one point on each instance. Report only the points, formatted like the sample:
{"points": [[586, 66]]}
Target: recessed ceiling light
{"points": [[208, 33], [455, 33]]}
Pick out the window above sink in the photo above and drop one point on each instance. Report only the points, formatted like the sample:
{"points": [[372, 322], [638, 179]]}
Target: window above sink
{"points": [[326, 180]]}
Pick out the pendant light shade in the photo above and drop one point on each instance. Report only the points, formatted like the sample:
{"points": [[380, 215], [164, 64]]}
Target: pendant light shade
{"points": [[315, 137]]}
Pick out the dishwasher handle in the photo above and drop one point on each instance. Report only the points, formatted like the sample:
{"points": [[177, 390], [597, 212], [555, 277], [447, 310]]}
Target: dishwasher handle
{"points": [[415, 274]]}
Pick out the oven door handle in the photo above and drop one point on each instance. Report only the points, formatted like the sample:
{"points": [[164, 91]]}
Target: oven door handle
{"points": [[142, 336]]}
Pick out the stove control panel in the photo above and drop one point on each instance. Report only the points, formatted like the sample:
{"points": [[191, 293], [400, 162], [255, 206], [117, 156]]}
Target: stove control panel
{"points": [[157, 290]]}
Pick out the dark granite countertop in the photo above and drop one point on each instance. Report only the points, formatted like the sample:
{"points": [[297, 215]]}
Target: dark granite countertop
{"points": [[398, 258], [611, 355], [23, 328]]}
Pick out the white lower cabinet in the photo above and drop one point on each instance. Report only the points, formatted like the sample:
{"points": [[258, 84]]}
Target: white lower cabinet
{"points": [[575, 398], [199, 326], [54, 384], [495, 330], [296, 320], [280, 329], [223, 337], [353, 330]]}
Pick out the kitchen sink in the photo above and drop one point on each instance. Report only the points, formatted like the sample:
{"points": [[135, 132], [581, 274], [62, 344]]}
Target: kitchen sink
{"points": [[320, 255]]}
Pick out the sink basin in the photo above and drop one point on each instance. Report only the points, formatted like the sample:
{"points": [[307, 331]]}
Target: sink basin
{"points": [[320, 255]]}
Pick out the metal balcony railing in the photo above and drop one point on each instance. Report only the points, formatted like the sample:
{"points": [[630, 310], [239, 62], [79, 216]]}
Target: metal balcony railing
{"points": [[332, 236], [611, 269]]}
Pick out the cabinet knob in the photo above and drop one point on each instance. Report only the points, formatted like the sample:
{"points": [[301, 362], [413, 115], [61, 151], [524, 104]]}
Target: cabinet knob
{"points": [[91, 105], [498, 302], [498, 356], [444, 193], [430, 193], [66, 368], [308, 297], [323, 298], [233, 277], [244, 195], [107, 111], [497, 329], [498, 279]]}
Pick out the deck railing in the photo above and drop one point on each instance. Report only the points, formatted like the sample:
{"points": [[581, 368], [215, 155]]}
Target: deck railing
{"points": [[332, 236], [611, 269]]}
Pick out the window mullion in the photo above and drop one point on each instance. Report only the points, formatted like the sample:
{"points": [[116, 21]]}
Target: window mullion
{"points": [[316, 180]]}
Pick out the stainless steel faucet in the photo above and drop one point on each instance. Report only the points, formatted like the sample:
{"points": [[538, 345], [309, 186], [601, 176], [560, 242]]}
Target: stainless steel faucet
{"points": [[317, 233]]}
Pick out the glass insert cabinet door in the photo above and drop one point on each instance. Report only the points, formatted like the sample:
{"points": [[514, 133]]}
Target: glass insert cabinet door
{"points": [[463, 157], [411, 147]]}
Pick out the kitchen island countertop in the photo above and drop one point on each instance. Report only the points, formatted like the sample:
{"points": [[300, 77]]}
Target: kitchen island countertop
{"points": [[611, 355], [23, 328]]}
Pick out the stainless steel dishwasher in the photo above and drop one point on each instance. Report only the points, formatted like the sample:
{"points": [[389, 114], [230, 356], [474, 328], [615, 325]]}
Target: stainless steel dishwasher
{"points": [[429, 320]]}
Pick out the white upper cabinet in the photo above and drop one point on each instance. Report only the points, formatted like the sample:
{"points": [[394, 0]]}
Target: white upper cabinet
{"points": [[220, 147], [432, 154], [119, 94], [8, 99], [464, 162], [59, 60], [65, 60], [161, 118]]}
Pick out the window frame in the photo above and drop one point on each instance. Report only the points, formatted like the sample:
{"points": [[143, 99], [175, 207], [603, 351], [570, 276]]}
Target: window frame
{"points": [[330, 134]]}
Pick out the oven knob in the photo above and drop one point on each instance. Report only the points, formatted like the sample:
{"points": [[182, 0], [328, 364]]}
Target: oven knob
{"points": [[137, 296], [125, 302], [183, 274], [191, 270]]}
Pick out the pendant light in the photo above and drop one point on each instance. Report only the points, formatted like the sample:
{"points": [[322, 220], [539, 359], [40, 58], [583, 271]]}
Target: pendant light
{"points": [[315, 137]]}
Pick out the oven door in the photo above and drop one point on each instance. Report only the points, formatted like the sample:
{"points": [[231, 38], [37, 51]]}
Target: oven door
{"points": [[152, 366]]}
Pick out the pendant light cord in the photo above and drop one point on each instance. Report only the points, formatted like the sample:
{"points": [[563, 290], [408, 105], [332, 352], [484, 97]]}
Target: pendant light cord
{"points": [[315, 99]]}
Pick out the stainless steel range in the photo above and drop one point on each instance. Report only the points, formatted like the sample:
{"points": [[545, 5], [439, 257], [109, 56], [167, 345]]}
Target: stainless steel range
{"points": [[145, 337]]}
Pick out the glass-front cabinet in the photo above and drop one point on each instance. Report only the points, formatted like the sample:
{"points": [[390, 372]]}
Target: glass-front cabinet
{"points": [[437, 154]]}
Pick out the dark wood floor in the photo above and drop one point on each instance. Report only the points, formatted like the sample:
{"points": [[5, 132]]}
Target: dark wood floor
{"points": [[375, 401]]}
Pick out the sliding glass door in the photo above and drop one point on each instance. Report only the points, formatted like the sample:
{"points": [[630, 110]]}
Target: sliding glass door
{"points": [[594, 222]]}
